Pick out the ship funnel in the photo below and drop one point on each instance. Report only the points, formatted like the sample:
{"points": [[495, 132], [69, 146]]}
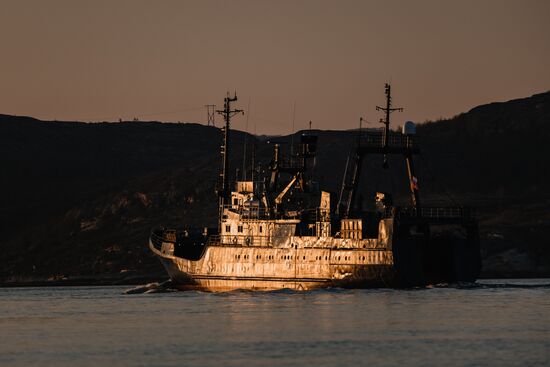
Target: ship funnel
{"points": [[409, 128]]}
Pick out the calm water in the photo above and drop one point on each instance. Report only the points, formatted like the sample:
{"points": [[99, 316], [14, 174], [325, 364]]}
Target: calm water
{"points": [[499, 323]]}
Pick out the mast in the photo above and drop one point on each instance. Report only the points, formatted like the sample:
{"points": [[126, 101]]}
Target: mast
{"points": [[224, 190], [378, 144], [415, 196], [388, 110]]}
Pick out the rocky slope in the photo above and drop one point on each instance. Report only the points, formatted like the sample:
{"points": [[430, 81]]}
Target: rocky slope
{"points": [[78, 200]]}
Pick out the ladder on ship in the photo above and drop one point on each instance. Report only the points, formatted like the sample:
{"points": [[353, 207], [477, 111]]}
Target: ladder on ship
{"points": [[350, 182]]}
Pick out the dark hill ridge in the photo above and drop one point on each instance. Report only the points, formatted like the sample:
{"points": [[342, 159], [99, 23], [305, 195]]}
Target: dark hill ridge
{"points": [[79, 199], [505, 144]]}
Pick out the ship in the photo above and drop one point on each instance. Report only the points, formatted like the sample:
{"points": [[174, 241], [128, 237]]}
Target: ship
{"points": [[281, 230]]}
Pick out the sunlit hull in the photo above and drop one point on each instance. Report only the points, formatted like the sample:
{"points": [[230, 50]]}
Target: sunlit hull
{"points": [[227, 268]]}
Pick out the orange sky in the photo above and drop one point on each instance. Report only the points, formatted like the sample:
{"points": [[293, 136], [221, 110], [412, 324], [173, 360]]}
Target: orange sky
{"points": [[163, 60]]}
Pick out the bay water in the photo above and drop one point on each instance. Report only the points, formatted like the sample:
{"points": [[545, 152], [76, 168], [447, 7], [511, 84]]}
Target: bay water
{"points": [[490, 323]]}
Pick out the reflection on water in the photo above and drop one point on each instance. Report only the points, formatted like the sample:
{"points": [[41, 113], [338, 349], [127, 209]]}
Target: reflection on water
{"points": [[491, 323]]}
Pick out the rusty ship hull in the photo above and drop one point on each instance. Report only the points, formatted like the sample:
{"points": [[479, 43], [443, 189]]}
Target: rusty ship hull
{"points": [[396, 258], [229, 267]]}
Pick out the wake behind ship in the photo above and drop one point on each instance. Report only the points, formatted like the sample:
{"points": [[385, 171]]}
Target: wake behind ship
{"points": [[280, 230]]}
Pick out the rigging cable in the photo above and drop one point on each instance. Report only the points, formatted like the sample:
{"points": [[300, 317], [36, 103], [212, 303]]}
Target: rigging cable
{"points": [[245, 138], [292, 134]]}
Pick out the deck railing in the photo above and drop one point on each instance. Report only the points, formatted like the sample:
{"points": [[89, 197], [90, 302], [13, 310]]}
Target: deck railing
{"points": [[438, 213], [257, 213], [376, 139]]}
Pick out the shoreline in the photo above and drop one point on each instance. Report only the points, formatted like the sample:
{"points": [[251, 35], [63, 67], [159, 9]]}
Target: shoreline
{"points": [[86, 281], [157, 278]]}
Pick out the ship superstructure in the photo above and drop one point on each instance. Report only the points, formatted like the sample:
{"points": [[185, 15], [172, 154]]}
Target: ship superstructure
{"points": [[280, 230]]}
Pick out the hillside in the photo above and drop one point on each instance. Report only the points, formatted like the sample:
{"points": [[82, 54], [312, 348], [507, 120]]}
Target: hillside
{"points": [[78, 200]]}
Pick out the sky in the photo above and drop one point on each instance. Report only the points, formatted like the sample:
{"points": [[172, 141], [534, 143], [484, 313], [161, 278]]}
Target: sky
{"points": [[290, 62]]}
